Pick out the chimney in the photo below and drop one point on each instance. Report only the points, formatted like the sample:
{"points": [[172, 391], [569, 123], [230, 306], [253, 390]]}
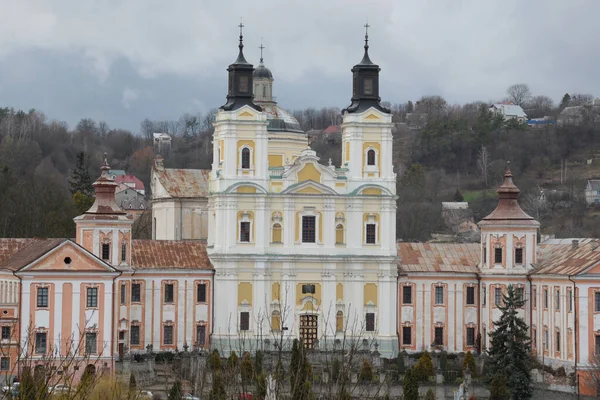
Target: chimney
{"points": [[594, 244], [574, 243]]}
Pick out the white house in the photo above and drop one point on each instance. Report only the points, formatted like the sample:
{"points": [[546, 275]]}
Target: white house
{"points": [[509, 111]]}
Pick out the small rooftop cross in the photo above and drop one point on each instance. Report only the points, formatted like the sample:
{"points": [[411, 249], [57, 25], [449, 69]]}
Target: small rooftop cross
{"points": [[261, 47], [367, 26], [241, 26]]}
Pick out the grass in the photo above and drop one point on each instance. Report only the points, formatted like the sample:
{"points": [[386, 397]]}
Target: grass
{"points": [[471, 195]]}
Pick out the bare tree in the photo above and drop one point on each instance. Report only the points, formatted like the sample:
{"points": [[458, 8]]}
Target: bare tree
{"points": [[483, 163], [519, 93]]}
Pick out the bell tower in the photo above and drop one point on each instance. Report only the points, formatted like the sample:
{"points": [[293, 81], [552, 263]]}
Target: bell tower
{"points": [[367, 129], [105, 229]]}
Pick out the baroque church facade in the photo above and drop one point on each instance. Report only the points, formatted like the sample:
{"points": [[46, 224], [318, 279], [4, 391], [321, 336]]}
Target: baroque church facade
{"points": [[273, 244]]}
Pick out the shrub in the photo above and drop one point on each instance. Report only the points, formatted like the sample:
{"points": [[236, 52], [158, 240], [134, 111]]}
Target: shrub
{"points": [[424, 368], [560, 372], [443, 360], [213, 362], [429, 395], [366, 372], [400, 363], [175, 392], [410, 386], [469, 361], [232, 361], [336, 367], [247, 368]]}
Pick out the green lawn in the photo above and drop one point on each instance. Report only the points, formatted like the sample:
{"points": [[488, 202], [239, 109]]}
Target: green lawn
{"points": [[471, 195]]}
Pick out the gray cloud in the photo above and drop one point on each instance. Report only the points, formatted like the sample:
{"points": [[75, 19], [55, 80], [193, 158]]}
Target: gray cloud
{"points": [[122, 61]]}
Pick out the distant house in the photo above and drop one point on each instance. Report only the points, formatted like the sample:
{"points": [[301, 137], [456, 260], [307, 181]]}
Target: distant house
{"points": [[592, 192], [574, 115], [116, 172], [130, 200], [459, 217], [509, 111], [131, 181], [162, 143]]}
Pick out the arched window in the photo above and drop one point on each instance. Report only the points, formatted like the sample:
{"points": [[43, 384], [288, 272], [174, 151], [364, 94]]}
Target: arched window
{"points": [[245, 158], [339, 234], [371, 157], [339, 321], [276, 233], [276, 321]]}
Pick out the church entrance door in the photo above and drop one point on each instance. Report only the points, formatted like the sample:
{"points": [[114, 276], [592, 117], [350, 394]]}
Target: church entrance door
{"points": [[308, 330]]}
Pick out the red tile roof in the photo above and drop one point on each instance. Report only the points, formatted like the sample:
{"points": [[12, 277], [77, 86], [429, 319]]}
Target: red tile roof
{"points": [[560, 256], [169, 254], [29, 253], [9, 246], [137, 183], [439, 257]]}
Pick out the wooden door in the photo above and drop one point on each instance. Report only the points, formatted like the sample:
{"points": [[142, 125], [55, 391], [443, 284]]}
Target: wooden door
{"points": [[308, 330]]}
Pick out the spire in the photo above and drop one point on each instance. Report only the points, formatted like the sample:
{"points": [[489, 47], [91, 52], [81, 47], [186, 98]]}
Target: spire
{"points": [[105, 187], [366, 60], [240, 58]]}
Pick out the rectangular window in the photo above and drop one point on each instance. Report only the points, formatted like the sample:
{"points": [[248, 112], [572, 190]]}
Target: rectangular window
{"points": [[518, 256], [534, 297], [545, 339], [519, 293], [123, 252], [169, 293], [121, 335], [40, 342], [439, 295], [6, 333], [484, 254], [497, 296], [4, 363], [439, 336], [370, 234], [42, 297], [92, 297], [546, 298], [498, 255], [557, 341], [201, 293], [407, 335], [570, 300], [168, 334], [308, 289], [484, 295], [243, 84], [557, 300], [597, 301], [470, 336], [368, 86], [245, 231], [136, 292], [134, 335], [244, 321], [201, 334], [90, 343], [470, 295], [534, 338], [407, 294], [597, 348], [370, 322], [308, 229], [123, 294], [105, 251]]}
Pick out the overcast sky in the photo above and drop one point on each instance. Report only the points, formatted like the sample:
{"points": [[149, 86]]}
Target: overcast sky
{"points": [[124, 60]]}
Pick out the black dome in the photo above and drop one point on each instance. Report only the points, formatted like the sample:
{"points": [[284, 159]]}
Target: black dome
{"points": [[262, 72]]}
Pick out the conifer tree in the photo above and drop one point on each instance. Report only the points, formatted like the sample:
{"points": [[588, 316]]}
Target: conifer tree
{"points": [[424, 367], [510, 361], [470, 362], [410, 386], [132, 383], [80, 180], [429, 395], [175, 391]]}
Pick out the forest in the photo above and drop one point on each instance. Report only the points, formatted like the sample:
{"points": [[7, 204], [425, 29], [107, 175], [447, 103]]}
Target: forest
{"points": [[457, 152]]}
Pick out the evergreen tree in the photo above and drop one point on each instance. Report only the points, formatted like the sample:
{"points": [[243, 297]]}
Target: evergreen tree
{"points": [[217, 391], [443, 360], [410, 386], [400, 367], [247, 368], [429, 395], [132, 383], [565, 101], [458, 196], [510, 361], [366, 372], [300, 373], [175, 392], [470, 362], [424, 367], [294, 362], [232, 361], [498, 389], [80, 180]]}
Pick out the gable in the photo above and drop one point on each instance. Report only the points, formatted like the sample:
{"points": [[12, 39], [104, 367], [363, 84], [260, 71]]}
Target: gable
{"points": [[69, 257], [309, 173], [372, 117], [309, 187]]}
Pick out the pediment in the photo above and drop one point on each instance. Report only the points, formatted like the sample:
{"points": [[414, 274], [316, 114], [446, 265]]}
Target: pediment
{"points": [[69, 257], [246, 113], [309, 187]]}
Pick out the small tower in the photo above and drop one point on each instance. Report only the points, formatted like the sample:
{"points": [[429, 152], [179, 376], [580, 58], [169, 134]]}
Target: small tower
{"points": [[367, 129], [508, 234], [263, 81], [240, 140], [105, 229]]}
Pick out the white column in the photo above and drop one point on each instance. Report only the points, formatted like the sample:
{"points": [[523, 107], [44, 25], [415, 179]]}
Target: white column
{"points": [[289, 222], [262, 225], [509, 251], [329, 223], [328, 300]]}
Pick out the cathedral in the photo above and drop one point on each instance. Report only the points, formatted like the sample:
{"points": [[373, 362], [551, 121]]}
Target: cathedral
{"points": [[273, 244]]}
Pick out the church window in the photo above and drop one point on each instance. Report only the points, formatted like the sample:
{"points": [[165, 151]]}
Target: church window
{"points": [[439, 336], [534, 295], [134, 335], [4, 363], [546, 300], [484, 295], [545, 338], [370, 322], [498, 255], [308, 229], [276, 233], [243, 84], [470, 336], [558, 341], [245, 231], [371, 233], [276, 321], [519, 256], [136, 292], [371, 157], [406, 336], [339, 321], [200, 335], [339, 234], [169, 293], [519, 293], [308, 289], [597, 343], [245, 158], [534, 338], [470, 295], [201, 293], [5, 332], [244, 321], [407, 294], [439, 295], [168, 334], [90, 343], [123, 294], [497, 296], [105, 251], [368, 85], [264, 88], [484, 254], [92, 297], [570, 300], [40, 342], [42, 297], [123, 252], [557, 300]]}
